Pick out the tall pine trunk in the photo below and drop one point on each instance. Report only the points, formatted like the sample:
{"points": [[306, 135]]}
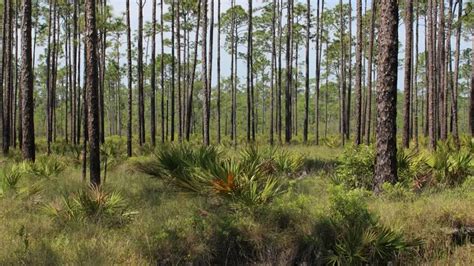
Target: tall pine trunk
{"points": [[306, 93], [130, 81], [27, 104], [141, 97], [408, 72], [153, 78], [204, 75], [386, 130], [358, 85], [92, 93]]}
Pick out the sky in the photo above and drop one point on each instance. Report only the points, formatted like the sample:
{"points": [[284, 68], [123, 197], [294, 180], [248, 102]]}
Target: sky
{"points": [[119, 9]]}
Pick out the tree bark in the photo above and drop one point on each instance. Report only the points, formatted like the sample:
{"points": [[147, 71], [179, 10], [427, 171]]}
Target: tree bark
{"points": [[471, 107], [27, 104], [369, 71], [153, 78], [130, 81], [141, 99], [289, 71], [431, 78], [358, 85], [306, 93], [92, 93], [408, 72], [204, 75], [162, 73], [218, 71], [193, 76], [386, 144]]}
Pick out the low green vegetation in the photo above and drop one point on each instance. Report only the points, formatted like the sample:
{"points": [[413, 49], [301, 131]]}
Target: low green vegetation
{"points": [[179, 204]]}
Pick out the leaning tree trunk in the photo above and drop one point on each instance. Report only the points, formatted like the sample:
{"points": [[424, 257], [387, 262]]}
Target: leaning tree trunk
{"points": [[27, 104], [92, 93], [386, 130]]}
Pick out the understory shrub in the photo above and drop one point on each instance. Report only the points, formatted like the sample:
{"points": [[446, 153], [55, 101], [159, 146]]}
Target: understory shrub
{"points": [[351, 235], [92, 204], [255, 178], [446, 166]]}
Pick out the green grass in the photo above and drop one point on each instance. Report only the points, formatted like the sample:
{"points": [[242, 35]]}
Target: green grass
{"points": [[175, 227]]}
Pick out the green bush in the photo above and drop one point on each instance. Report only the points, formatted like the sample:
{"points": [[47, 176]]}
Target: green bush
{"points": [[44, 167], [92, 204], [206, 172], [356, 168], [360, 238]]}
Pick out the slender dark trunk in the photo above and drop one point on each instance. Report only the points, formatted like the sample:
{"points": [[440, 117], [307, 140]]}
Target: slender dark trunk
{"points": [[342, 77], [358, 85], [272, 82], [8, 68], [306, 93], [153, 78], [408, 72], [431, 78], [218, 71], [369, 71], [130, 82], [289, 71], [209, 76], [415, 78], [92, 93], [204, 76], [162, 73], [193, 76]]}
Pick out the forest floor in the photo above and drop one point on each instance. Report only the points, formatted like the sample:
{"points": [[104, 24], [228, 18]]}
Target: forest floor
{"points": [[156, 223]]}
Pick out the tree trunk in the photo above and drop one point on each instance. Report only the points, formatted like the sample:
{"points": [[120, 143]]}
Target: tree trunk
{"points": [[408, 72], [153, 78], [289, 71], [178, 44], [141, 100], [204, 75], [92, 93], [193, 76], [8, 68], [369, 72], [386, 144], [27, 104], [306, 93], [415, 79], [349, 87], [342, 77], [431, 78], [162, 73], [218, 71], [442, 71], [130, 80], [471, 110], [358, 85]]}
